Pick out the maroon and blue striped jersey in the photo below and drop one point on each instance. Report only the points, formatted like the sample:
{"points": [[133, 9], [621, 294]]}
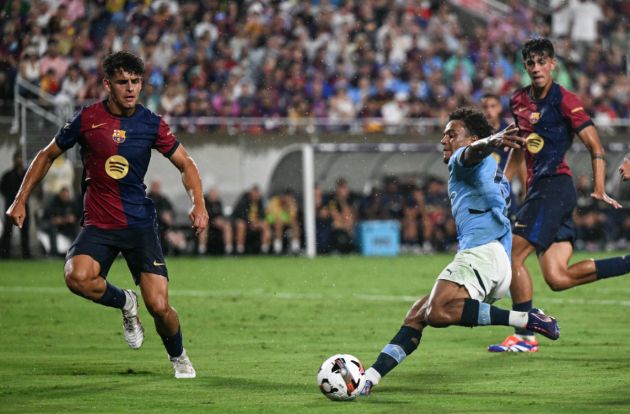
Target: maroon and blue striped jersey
{"points": [[116, 151], [549, 125]]}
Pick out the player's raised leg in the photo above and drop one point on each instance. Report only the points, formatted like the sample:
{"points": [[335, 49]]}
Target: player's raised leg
{"points": [[451, 304], [83, 277], [521, 290], [154, 290]]}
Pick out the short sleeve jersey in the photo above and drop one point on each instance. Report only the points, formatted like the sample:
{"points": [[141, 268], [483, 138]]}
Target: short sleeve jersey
{"points": [[549, 125], [116, 151], [479, 195]]}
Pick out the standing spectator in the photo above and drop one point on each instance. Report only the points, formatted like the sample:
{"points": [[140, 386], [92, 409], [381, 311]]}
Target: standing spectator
{"points": [[61, 218], [282, 214], [249, 219], [9, 186], [586, 16], [217, 222]]}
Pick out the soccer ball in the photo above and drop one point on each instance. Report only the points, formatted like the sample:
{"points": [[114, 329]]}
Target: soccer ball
{"points": [[341, 377]]}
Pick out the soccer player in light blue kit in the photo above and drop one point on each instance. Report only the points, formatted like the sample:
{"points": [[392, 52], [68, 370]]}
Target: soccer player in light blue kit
{"points": [[480, 273]]}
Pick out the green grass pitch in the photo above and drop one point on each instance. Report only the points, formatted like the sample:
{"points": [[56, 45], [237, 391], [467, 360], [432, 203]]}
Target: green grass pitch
{"points": [[257, 330]]}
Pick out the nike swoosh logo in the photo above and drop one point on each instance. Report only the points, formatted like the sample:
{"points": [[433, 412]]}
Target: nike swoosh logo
{"points": [[156, 263], [98, 125]]}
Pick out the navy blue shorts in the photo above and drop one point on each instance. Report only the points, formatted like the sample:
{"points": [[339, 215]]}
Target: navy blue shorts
{"points": [[546, 215], [140, 247]]}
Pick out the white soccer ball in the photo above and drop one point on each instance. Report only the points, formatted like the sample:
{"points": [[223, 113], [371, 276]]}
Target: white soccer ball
{"points": [[341, 377]]}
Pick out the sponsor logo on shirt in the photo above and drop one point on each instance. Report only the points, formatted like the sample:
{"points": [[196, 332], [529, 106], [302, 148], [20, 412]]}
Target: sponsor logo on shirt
{"points": [[117, 167], [535, 143], [119, 136]]}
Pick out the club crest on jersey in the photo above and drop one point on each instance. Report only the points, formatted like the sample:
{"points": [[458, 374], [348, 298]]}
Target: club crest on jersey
{"points": [[535, 143], [534, 118], [117, 167], [119, 136]]}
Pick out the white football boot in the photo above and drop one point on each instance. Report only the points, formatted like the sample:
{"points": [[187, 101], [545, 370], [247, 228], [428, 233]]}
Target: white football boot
{"points": [[132, 328], [182, 366]]}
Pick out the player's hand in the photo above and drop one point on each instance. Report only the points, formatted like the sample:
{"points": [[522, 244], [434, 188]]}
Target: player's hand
{"points": [[624, 169], [606, 199], [198, 218], [507, 137], [17, 213]]}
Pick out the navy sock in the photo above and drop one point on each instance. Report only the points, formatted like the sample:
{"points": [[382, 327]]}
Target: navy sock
{"points": [[114, 297], [402, 345], [477, 313], [173, 344], [614, 266], [523, 307]]}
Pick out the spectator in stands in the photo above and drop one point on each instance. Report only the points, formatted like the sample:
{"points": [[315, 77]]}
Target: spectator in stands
{"points": [[61, 217], [282, 215], [60, 175], [438, 214], [173, 239], [588, 217], [29, 69], [9, 186], [371, 206], [323, 221], [217, 223], [343, 212], [49, 86], [412, 224], [53, 60], [249, 220]]}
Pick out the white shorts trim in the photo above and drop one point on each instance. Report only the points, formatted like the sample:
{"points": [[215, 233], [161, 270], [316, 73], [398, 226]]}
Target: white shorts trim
{"points": [[485, 271]]}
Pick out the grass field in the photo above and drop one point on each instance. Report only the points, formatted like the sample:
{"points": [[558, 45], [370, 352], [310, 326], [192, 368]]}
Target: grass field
{"points": [[257, 330]]}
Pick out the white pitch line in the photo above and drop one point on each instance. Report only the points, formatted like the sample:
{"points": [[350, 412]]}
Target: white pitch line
{"points": [[260, 293]]}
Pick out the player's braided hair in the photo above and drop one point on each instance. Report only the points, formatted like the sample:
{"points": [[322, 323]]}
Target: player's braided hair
{"points": [[475, 122], [538, 46], [124, 60]]}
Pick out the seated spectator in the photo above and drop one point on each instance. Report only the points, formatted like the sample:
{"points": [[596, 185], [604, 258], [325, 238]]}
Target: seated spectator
{"points": [[323, 222], [588, 217], [217, 224], [343, 211], [414, 215], [249, 219], [282, 215], [61, 218], [438, 210], [173, 240]]}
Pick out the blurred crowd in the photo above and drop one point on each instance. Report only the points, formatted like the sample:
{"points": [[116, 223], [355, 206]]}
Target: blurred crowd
{"points": [[338, 61], [261, 224]]}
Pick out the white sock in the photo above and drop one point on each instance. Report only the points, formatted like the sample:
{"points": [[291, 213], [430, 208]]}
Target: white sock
{"points": [[518, 319], [264, 248], [277, 246], [372, 375], [228, 249]]}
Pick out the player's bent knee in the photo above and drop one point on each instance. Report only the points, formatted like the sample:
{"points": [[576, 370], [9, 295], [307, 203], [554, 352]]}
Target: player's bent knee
{"points": [[559, 284], [79, 281]]}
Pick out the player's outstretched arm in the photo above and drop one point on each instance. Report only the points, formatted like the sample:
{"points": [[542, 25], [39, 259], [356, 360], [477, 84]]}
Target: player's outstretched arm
{"points": [[192, 182], [590, 138], [36, 171], [481, 148]]}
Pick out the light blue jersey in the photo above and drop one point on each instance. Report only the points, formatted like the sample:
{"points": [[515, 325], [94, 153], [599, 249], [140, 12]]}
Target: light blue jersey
{"points": [[479, 201]]}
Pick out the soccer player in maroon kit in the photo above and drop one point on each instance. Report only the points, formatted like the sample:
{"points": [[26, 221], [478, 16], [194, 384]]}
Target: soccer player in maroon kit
{"points": [[548, 116], [116, 137]]}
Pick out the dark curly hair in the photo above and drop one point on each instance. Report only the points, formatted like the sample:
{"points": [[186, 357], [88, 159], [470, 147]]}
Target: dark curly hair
{"points": [[474, 120], [538, 46], [124, 60]]}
